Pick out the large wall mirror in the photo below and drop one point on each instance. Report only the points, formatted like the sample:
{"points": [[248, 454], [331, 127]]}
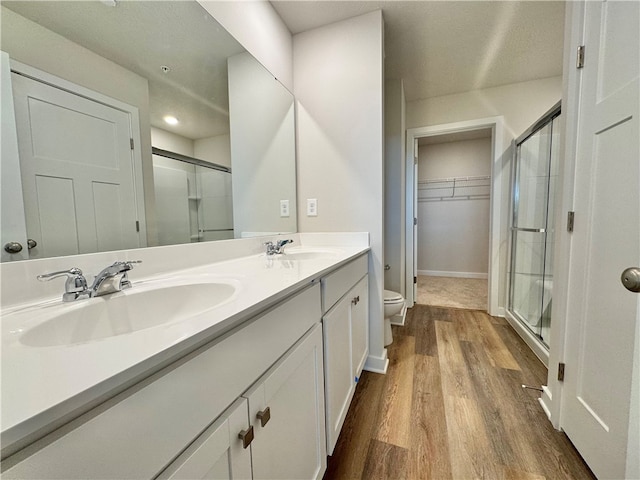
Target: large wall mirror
{"points": [[139, 123]]}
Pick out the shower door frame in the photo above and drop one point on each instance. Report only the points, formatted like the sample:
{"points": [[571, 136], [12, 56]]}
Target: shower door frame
{"points": [[516, 321]]}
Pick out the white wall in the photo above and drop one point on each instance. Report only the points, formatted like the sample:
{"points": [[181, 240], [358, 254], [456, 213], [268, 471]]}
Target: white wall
{"points": [[259, 29], [171, 142], [215, 149], [29, 43], [262, 130], [520, 104], [338, 80], [394, 185], [453, 235]]}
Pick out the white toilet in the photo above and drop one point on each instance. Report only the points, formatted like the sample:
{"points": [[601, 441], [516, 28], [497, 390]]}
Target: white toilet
{"points": [[393, 304]]}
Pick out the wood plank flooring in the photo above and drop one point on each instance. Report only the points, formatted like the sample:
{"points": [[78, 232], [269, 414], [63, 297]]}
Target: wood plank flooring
{"points": [[451, 406]]}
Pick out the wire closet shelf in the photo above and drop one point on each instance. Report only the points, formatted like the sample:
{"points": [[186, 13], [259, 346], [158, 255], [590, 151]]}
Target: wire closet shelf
{"points": [[454, 188]]}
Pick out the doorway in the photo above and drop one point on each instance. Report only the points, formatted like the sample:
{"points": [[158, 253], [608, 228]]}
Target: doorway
{"points": [[491, 186], [453, 211]]}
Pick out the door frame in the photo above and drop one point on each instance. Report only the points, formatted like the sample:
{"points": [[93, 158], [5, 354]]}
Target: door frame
{"points": [[12, 214], [496, 260], [136, 153]]}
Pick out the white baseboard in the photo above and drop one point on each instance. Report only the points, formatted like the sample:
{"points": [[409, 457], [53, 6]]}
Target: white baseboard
{"points": [[545, 400], [377, 364], [441, 273], [399, 318]]}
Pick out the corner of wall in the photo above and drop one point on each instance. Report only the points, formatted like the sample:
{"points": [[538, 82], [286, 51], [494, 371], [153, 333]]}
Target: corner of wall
{"points": [[260, 30]]}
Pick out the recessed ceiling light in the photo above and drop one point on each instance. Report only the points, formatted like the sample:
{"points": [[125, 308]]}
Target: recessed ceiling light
{"points": [[171, 120]]}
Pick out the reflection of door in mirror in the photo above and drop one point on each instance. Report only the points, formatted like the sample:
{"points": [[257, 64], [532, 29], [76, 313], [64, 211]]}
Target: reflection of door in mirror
{"points": [[77, 171], [193, 201], [13, 232]]}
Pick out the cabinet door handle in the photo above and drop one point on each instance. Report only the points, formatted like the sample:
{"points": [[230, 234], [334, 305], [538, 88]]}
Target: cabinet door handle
{"points": [[264, 416], [246, 436], [355, 300]]}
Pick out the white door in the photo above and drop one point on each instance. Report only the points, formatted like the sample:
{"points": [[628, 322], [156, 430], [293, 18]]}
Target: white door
{"points": [[339, 381], [359, 326], [602, 314], [77, 171], [218, 453], [286, 409], [12, 227]]}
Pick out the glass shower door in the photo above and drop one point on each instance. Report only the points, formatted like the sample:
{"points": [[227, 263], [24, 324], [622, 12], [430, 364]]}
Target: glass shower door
{"points": [[535, 178]]}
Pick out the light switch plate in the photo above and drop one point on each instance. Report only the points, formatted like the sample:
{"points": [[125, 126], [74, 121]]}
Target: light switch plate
{"points": [[284, 208], [312, 207]]}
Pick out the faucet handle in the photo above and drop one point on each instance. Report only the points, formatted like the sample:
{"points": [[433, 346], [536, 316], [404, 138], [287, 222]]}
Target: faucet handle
{"points": [[282, 243], [126, 265], [45, 277], [75, 285]]}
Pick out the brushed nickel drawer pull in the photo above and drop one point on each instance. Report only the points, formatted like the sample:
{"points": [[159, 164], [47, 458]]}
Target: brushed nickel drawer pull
{"points": [[246, 436], [264, 416]]}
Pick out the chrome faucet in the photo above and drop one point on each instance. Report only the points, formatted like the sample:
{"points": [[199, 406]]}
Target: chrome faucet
{"points": [[110, 280], [278, 247]]}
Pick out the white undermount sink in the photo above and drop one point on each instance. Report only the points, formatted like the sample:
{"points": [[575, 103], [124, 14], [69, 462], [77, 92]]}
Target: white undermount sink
{"points": [[140, 307], [307, 253]]}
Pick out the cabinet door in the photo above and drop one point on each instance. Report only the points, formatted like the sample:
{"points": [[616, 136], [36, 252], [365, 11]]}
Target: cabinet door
{"points": [[339, 382], [286, 408], [359, 325], [218, 453]]}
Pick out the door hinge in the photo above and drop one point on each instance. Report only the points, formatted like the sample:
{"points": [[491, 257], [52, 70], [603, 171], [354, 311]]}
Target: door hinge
{"points": [[415, 221], [580, 57], [415, 279], [131, 143], [137, 225], [561, 372], [570, 221]]}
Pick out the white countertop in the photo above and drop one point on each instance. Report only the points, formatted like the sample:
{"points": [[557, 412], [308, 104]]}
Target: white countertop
{"points": [[43, 384]]}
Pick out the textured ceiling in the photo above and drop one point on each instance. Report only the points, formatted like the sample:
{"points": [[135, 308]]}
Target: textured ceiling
{"points": [[446, 47], [436, 47]]}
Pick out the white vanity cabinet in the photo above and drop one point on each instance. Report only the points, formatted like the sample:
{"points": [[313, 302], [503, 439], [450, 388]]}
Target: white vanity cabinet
{"points": [[346, 338], [153, 424], [280, 418]]}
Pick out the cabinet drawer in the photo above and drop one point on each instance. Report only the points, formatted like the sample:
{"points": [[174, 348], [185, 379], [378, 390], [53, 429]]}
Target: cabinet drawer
{"points": [[139, 432], [335, 285]]}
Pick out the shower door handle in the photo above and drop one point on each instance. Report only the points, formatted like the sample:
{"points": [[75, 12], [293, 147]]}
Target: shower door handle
{"points": [[630, 278], [530, 230]]}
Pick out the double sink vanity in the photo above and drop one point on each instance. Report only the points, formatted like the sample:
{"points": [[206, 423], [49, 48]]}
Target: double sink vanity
{"points": [[241, 365]]}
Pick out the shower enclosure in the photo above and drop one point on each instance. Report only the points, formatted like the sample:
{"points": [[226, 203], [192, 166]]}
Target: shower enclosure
{"points": [[534, 181], [193, 199]]}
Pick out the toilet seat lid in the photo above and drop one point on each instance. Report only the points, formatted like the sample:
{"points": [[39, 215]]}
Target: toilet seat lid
{"points": [[391, 296]]}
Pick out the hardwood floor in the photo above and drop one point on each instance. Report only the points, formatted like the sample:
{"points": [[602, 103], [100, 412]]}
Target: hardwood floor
{"points": [[451, 406]]}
